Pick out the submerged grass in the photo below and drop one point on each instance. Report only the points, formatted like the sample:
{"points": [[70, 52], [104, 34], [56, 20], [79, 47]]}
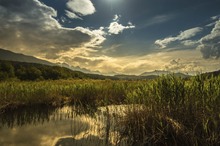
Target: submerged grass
{"points": [[174, 111]]}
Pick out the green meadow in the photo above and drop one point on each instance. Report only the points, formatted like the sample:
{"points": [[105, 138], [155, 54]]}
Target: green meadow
{"points": [[174, 110]]}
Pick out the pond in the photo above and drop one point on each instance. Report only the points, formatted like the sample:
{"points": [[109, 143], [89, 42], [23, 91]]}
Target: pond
{"points": [[66, 126]]}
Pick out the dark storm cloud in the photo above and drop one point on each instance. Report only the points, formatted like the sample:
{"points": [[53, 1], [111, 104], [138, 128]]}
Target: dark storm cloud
{"points": [[210, 44], [30, 26]]}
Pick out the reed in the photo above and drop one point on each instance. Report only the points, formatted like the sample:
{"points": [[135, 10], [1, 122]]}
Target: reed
{"points": [[176, 111]]}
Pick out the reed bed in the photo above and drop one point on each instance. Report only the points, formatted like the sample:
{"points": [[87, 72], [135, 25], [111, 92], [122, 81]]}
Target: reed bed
{"points": [[177, 112], [174, 110], [83, 92]]}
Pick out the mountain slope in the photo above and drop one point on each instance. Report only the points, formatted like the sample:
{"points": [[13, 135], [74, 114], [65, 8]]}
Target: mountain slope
{"points": [[210, 74], [11, 56], [34, 71], [161, 72], [156, 73], [134, 77]]}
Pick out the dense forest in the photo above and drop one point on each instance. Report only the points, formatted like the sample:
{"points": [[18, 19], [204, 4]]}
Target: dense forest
{"points": [[10, 70], [14, 70]]}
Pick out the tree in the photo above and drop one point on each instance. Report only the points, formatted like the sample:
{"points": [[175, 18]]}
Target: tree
{"points": [[33, 73], [6, 70]]}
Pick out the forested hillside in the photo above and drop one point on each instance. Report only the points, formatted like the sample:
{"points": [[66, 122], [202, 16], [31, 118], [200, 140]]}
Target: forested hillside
{"points": [[32, 71], [10, 70]]}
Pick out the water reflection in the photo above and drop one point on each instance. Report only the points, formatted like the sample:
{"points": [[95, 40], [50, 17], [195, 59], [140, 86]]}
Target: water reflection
{"points": [[26, 115], [66, 126], [88, 141]]}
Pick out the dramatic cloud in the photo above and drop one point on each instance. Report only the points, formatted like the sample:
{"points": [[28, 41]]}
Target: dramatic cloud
{"points": [[164, 42], [182, 36], [189, 61], [116, 28], [33, 30], [97, 36], [72, 15], [189, 43], [189, 33], [80, 8], [30, 28], [68, 32], [210, 44], [178, 65]]}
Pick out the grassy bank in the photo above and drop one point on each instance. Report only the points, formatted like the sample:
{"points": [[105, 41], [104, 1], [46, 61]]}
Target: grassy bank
{"points": [[56, 92], [177, 111]]}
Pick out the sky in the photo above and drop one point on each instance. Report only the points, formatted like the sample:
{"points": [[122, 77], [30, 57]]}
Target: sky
{"points": [[116, 36]]}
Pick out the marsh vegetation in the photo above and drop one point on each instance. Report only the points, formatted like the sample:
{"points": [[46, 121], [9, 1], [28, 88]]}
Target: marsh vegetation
{"points": [[168, 110]]}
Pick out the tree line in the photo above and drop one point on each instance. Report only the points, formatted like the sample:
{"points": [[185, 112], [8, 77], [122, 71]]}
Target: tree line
{"points": [[33, 71]]}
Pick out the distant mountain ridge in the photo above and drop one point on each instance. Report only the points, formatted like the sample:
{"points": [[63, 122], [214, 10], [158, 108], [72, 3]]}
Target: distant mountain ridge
{"points": [[214, 73], [156, 73], [134, 77], [77, 68], [162, 72], [11, 56]]}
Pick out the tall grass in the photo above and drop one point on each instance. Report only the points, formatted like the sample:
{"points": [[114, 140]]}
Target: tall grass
{"points": [[177, 112], [174, 111], [85, 92]]}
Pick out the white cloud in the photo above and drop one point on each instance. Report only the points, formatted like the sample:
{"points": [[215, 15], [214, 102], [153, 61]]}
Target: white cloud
{"points": [[215, 17], [189, 43], [116, 28], [164, 42], [129, 23], [188, 61], [183, 35], [72, 15], [186, 66], [116, 17], [32, 30], [97, 36], [81, 7], [189, 33], [213, 21], [210, 24], [210, 44]]}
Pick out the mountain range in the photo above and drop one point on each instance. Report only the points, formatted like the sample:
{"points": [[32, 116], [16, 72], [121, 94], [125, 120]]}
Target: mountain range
{"points": [[12, 56], [162, 72]]}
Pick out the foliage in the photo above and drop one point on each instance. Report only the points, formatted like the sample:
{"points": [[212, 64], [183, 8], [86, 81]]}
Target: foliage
{"points": [[6, 71], [174, 111], [33, 72]]}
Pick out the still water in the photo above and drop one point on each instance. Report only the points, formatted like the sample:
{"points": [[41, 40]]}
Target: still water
{"points": [[66, 126]]}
